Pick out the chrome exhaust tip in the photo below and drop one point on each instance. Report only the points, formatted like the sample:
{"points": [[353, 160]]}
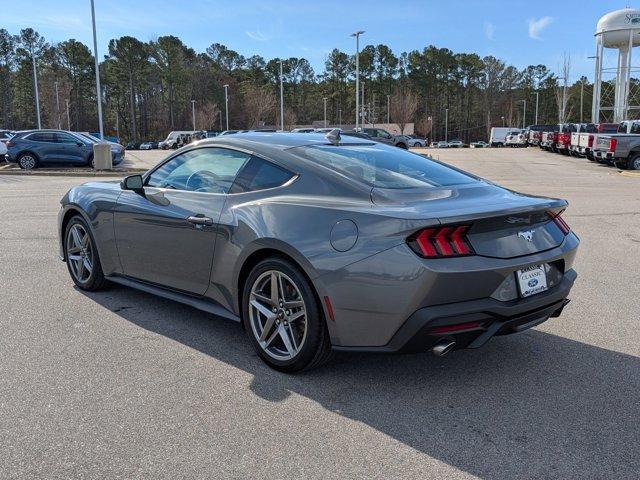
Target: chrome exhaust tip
{"points": [[443, 347]]}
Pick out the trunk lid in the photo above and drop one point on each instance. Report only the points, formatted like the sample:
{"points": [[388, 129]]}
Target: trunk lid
{"points": [[504, 224]]}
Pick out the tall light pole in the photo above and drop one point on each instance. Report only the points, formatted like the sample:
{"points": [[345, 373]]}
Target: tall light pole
{"points": [[281, 99], [446, 125], [324, 99], [68, 116], [117, 126], [524, 113], [220, 115], [58, 106], [357, 35], [537, 95], [362, 104], [95, 57], [388, 103], [35, 88], [502, 117], [581, 97], [226, 103], [193, 114], [340, 118]]}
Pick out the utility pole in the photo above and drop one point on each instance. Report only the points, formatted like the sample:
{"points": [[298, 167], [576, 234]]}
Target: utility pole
{"points": [[324, 99], [357, 35], [58, 106], [118, 126], [524, 114], [537, 95], [220, 115], [226, 103], [95, 56], [281, 99], [68, 116], [362, 105], [502, 120], [581, 97], [193, 114], [340, 118]]}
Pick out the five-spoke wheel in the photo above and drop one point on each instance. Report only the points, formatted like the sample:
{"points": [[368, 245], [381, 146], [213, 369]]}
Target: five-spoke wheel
{"points": [[82, 256]]}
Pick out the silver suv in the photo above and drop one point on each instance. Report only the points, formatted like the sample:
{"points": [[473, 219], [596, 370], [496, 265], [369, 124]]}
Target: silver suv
{"points": [[381, 135]]}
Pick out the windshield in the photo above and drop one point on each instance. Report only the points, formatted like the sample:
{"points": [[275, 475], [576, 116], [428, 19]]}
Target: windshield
{"points": [[383, 167]]}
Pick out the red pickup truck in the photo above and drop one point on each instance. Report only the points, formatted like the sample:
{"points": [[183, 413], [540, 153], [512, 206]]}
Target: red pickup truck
{"points": [[563, 143]]}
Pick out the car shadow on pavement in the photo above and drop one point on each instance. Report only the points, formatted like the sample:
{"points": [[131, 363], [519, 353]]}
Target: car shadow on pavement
{"points": [[527, 405]]}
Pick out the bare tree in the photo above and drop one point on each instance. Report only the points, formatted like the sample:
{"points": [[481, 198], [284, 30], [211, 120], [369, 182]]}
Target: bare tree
{"points": [[290, 118], [259, 104], [207, 116], [402, 107], [562, 92]]}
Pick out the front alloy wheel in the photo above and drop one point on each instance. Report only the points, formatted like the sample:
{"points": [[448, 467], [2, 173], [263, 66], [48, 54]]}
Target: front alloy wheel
{"points": [[82, 256], [27, 161]]}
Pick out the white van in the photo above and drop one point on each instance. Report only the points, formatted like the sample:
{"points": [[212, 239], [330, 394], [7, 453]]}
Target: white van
{"points": [[498, 136], [172, 138]]}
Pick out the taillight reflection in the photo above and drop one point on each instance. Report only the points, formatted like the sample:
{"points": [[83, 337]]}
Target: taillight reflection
{"points": [[559, 221]]}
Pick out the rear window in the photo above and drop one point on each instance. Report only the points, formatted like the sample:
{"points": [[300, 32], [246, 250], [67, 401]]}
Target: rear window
{"points": [[260, 174], [383, 167]]}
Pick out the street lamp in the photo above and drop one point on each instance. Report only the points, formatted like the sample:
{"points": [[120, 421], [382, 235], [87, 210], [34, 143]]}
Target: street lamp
{"points": [[193, 114], [324, 99], [220, 115], [357, 35], [502, 120], [340, 118], [537, 95], [388, 96], [35, 87], [524, 113], [226, 103], [58, 106], [95, 56], [68, 116], [281, 99], [446, 125]]}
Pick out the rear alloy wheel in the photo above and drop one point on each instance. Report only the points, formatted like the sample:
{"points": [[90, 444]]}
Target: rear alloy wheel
{"points": [[282, 317], [82, 256], [634, 163], [27, 161]]}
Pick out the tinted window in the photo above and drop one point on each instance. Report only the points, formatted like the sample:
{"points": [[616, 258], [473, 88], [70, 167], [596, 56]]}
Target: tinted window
{"points": [[622, 128], [383, 166], [635, 127], [42, 137], [66, 138], [210, 170], [260, 174]]}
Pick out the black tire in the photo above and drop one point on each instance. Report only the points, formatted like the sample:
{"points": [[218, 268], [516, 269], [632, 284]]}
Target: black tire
{"points": [[96, 279], [91, 163], [316, 348], [634, 162], [28, 161], [402, 145]]}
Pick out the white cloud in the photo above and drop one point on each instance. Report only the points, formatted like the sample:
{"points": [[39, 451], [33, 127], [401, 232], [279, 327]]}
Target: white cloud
{"points": [[258, 35], [489, 30], [537, 26]]}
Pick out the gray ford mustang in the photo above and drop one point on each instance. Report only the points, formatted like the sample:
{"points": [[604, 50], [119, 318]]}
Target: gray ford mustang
{"points": [[321, 243]]}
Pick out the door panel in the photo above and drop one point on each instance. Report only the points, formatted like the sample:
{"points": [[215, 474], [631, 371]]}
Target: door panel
{"points": [[158, 244]]}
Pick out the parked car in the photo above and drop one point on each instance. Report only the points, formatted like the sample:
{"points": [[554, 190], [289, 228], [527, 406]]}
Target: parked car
{"points": [[581, 129], [230, 132], [117, 150], [5, 135], [3, 150], [586, 139], [518, 140], [146, 146], [479, 144], [455, 144], [549, 138], [498, 135], [303, 130], [620, 149], [442, 144], [38, 148], [358, 134], [534, 133], [360, 224], [563, 141], [172, 139], [381, 135], [132, 146], [415, 142]]}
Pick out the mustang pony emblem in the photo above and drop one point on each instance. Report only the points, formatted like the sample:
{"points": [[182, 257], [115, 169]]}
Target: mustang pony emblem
{"points": [[527, 235]]}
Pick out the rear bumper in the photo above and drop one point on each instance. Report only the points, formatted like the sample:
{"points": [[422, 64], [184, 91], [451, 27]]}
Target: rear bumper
{"points": [[600, 154], [492, 316]]}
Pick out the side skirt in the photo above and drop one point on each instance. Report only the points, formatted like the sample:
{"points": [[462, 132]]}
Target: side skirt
{"points": [[200, 303]]}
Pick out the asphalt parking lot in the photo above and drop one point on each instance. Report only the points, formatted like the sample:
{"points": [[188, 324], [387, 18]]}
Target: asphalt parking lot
{"points": [[121, 384]]}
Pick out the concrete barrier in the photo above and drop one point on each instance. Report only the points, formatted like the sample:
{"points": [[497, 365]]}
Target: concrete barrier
{"points": [[102, 156]]}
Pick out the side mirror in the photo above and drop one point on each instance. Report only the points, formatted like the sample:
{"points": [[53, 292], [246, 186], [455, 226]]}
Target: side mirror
{"points": [[132, 182]]}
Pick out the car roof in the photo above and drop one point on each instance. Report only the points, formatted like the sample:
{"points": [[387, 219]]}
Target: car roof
{"points": [[281, 141]]}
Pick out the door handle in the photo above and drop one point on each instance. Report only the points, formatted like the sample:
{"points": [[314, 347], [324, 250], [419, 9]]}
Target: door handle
{"points": [[200, 220]]}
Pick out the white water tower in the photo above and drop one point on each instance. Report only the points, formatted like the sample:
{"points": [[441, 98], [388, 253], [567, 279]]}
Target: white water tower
{"points": [[619, 30]]}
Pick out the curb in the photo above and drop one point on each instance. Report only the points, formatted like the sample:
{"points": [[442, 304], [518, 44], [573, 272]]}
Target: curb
{"points": [[629, 174]]}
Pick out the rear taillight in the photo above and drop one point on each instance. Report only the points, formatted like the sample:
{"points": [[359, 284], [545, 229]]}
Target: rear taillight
{"points": [[590, 144], [9, 144], [559, 221], [442, 242], [613, 143]]}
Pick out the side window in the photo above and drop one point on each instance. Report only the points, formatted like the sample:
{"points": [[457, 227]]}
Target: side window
{"points": [[260, 174], [66, 138], [383, 134], [635, 127], [42, 137], [372, 132], [209, 170]]}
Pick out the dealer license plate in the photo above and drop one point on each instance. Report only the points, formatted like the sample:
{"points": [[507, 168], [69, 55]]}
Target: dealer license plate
{"points": [[532, 280]]}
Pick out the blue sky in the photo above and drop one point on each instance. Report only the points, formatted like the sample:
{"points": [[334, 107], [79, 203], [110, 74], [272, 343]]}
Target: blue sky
{"points": [[511, 30]]}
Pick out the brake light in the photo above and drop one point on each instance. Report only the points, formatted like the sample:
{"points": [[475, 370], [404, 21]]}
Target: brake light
{"points": [[442, 242], [613, 143], [559, 221], [590, 144]]}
